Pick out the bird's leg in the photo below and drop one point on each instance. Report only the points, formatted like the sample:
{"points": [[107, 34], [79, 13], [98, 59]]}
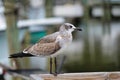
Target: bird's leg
{"points": [[50, 65], [61, 64], [55, 61]]}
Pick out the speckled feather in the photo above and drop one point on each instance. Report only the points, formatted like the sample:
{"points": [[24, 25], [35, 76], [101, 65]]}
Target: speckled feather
{"points": [[45, 49]]}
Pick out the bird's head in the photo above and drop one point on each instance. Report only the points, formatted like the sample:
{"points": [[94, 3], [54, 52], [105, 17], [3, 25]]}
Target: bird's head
{"points": [[69, 27]]}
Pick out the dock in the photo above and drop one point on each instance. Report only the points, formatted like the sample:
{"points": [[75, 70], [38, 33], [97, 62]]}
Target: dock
{"points": [[78, 76]]}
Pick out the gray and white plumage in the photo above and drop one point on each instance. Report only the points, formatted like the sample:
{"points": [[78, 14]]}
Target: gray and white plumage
{"points": [[52, 43]]}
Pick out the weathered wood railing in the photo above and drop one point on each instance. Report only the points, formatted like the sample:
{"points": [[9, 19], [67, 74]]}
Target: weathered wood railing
{"points": [[78, 76]]}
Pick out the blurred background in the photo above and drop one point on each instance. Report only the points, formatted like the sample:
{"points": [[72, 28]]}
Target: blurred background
{"points": [[96, 48]]}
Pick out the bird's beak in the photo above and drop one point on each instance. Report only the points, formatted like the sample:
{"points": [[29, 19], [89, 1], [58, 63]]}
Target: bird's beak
{"points": [[78, 29]]}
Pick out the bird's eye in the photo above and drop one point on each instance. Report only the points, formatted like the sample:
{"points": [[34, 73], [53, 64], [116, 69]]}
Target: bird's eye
{"points": [[70, 26]]}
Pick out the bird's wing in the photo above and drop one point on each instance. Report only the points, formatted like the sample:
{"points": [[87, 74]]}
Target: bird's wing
{"points": [[44, 49], [49, 38]]}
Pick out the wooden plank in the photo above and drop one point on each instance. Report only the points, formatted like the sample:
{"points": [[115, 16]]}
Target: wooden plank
{"points": [[78, 76], [114, 76], [74, 76]]}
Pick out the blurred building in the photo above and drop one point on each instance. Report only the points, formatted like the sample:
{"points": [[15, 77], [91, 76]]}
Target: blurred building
{"points": [[74, 8]]}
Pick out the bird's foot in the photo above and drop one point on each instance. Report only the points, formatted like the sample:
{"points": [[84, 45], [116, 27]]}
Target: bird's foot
{"points": [[55, 74], [51, 72]]}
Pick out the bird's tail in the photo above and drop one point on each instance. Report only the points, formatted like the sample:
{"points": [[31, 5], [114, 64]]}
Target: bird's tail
{"points": [[20, 55]]}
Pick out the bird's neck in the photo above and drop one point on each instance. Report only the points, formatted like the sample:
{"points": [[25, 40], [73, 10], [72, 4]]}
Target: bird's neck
{"points": [[66, 38], [65, 34]]}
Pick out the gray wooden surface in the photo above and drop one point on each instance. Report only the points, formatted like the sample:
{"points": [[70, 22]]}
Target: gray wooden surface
{"points": [[78, 76]]}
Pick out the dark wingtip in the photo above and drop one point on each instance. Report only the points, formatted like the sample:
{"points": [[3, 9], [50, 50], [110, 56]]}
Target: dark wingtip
{"points": [[20, 55], [11, 56]]}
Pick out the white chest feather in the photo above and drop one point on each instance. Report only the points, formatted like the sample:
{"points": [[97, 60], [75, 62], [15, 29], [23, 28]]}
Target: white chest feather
{"points": [[65, 40]]}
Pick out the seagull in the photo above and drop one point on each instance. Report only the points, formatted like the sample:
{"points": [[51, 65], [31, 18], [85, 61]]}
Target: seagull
{"points": [[50, 45]]}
